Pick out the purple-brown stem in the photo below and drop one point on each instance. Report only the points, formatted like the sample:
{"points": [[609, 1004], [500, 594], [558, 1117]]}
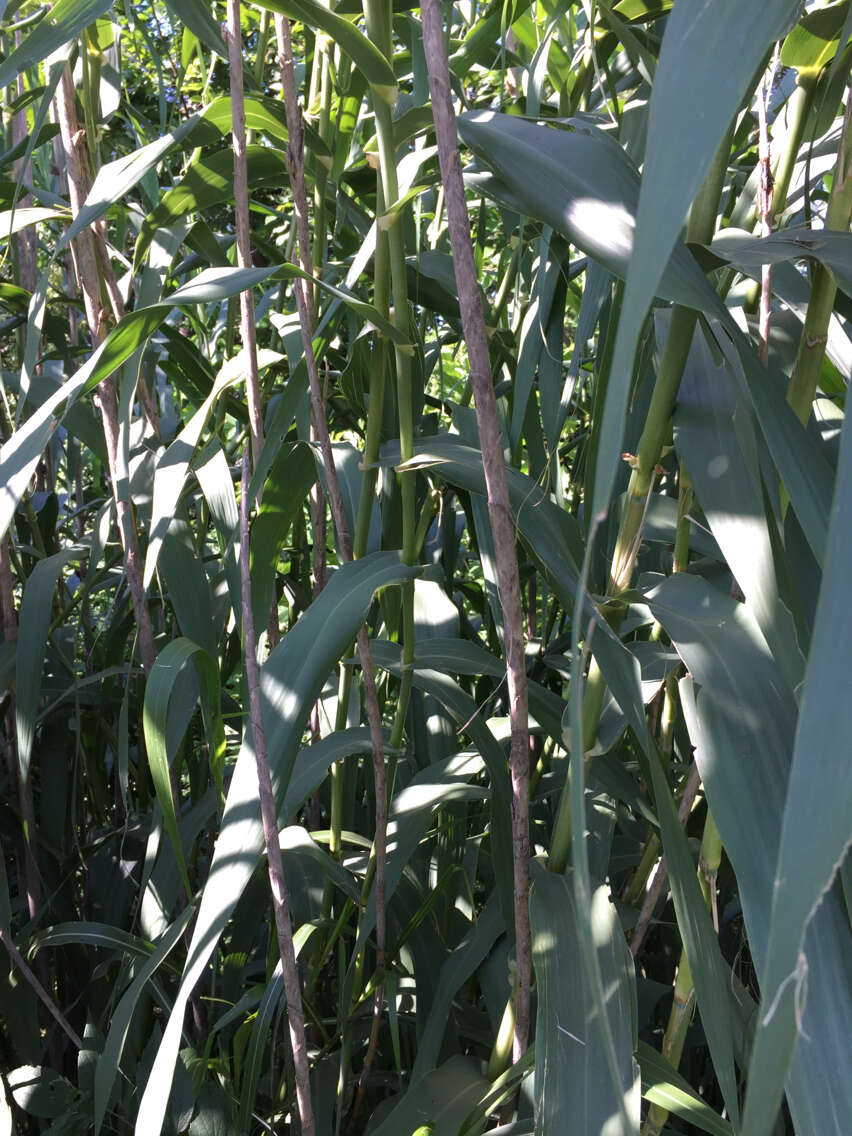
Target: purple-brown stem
{"points": [[269, 816], [86, 264], [33, 981], [764, 207], [241, 207], [652, 895], [499, 509]]}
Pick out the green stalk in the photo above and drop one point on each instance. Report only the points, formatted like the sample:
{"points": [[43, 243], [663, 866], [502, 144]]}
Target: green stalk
{"points": [[322, 67], [798, 108], [684, 991], [262, 44], [702, 222], [506, 286], [805, 377], [378, 14]]}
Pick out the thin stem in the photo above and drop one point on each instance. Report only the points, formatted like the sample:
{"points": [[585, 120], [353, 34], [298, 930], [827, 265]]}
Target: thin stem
{"points": [[19, 961], [764, 203], [702, 221], [654, 892], [680, 1016], [378, 14], [499, 508], [269, 816], [241, 206]]}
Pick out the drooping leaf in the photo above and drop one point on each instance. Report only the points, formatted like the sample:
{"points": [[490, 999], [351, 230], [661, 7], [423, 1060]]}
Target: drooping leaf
{"points": [[688, 116], [67, 18]]}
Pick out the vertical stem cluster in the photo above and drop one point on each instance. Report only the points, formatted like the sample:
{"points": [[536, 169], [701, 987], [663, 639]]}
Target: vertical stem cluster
{"points": [[85, 248], [499, 509], [378, 14], [307, 323], [269, 812]]}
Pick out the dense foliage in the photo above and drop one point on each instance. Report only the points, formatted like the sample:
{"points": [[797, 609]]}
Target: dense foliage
{"points": [[659, 198]]}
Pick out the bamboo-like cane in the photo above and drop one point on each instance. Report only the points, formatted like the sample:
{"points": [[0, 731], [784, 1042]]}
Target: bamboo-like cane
{"points": [[499, 509]]}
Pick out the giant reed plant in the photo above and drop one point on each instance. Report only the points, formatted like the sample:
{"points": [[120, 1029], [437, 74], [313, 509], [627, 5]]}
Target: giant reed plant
{"points": [[423, 554]]}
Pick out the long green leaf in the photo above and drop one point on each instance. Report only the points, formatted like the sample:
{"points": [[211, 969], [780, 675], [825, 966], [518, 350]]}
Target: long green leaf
{"points": [[108, 1061], [713, 437], [291, 680], [20, 455], [815, 831], [117, 178], [689, 113], [66, 19], [742, 719], [158, 692], [572, 1075], [195, 14], [664, 1086], [457, 968], [34, 621], [364, 54]]}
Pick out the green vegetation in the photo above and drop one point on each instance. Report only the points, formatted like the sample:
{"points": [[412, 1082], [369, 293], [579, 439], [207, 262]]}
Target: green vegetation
{"points": [[424, 625]]}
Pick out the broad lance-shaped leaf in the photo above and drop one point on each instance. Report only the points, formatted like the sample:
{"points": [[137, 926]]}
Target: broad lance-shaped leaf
{"points": [[464, 710], [173, 464], [553, 539], [217, 284], [257, 1054], [572, 1077], [106, 1069], [742, 719], [663, 1085], [595, 206], [580, 183], [410, 815], [457, 968], [36, 608], [291, 681], [439, 1103], [816, 830], [65, 20], [748, 253], [158, 691], [208, 182], [363, 53], [196, 15], [715, 442], [117, 178], [710, 973], [20, 455], [690, 111], [14, 220]]}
